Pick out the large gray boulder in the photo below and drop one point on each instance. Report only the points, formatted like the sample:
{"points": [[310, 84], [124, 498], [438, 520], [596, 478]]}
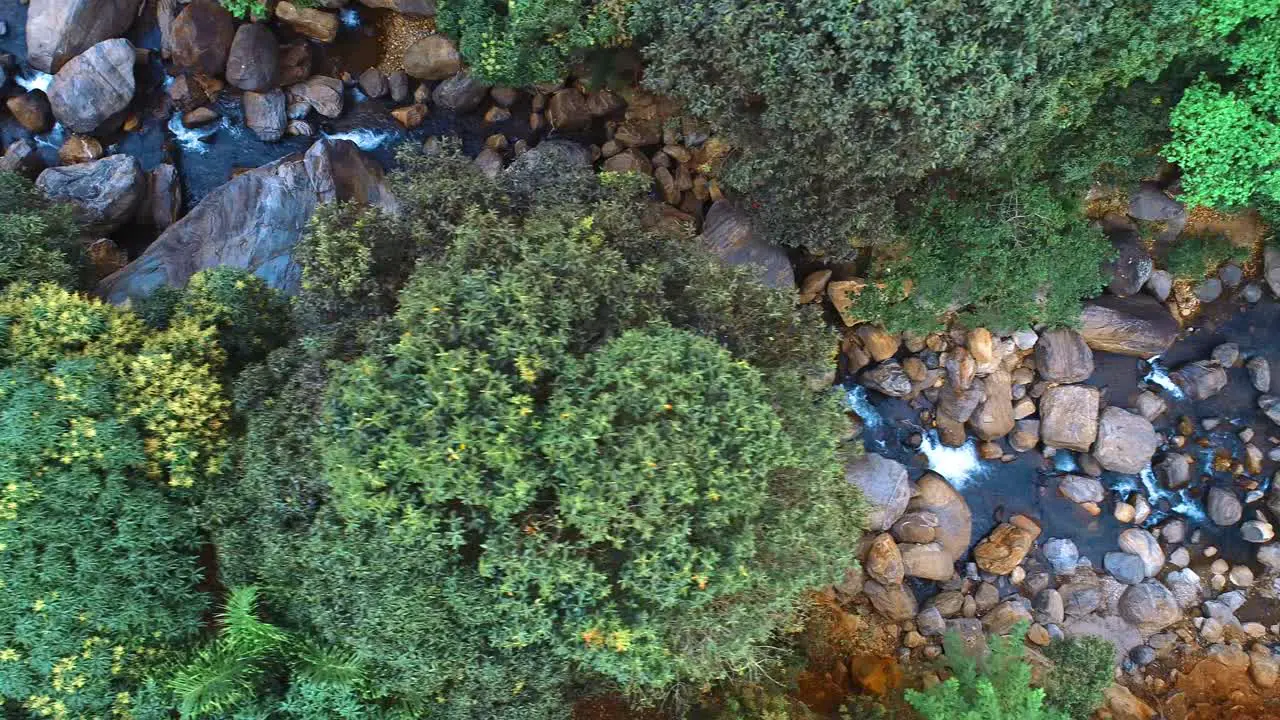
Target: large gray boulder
{"points": [[955, 521], [1069, 417], [1143, 545], [1150, 606], [254, 61], [58, 30], [1062, 356], [1138, 326], [254, 221], [728, 234], [264, 114], [1148, 202], [929, 561], [1126, 441], [434, 57], [1200, 380], [461, 92], [91, 91], [104, 193], [993, 418], [887, 378], [1223, 507], [895, 602], [1131, 267], [885, 486]]}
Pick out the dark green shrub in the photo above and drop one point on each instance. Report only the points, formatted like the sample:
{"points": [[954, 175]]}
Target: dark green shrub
{"points": [[39, 240], [102, 422], [995, 687], [1007, 261], [530, 42], [528, 475], [838, 108], [1082, 668], [1195, 256]]}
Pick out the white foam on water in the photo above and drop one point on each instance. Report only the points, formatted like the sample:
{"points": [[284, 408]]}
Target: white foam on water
{"points": [[856, 398], [959, 465], [367, 139], [192, 139], [34, 80], [350, 17], [1180, 501], [1160, 376], [54, 138]]}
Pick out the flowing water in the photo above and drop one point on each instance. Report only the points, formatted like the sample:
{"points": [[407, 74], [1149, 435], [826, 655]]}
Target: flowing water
{"points": [[995, 490]]}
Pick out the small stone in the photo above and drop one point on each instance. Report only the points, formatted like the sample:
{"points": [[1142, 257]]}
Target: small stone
{"points": [[1241, 576], [1124, 512], [199, 117], [1257, 531], [1226, 354], [1209, 290], [410, 116], [374, 83], [1219, 566], [1180, 557], [1038, 635]]}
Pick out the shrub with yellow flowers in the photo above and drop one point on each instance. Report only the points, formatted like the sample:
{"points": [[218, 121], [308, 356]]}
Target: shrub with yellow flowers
{"points": [[105, 424]]}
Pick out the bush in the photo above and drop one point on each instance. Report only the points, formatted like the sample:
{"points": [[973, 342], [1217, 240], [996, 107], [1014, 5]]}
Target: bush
{"points": [[533, 41], [1194, 257], [39, 241], [104, 422], [245, 9], [1083, 668], [996, 687], [838, 108], [1013, 261], [544, 465]]}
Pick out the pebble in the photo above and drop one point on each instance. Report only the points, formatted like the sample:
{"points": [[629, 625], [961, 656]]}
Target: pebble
{"points": [[1219, 567], [1039, 635], [1252, 293], [1124, 512], [1180, 557], [1209, 550], [1218, 582], [1209, 290], [1241, 576], [1018, 575], [1254, 629]]}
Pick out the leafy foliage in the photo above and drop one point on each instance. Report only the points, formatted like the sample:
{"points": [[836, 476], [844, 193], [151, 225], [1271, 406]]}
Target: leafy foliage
{"points": [[531, 41], [838, 108], [38, 239], [245, 9], [1195, 256], [1022, 258], [1225, 127], [996, 687], [544, 464], [1083, 668], [103, 421]]}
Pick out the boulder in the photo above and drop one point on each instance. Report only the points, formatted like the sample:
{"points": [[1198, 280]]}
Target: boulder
{"points": [[955, 522], [930, 622], [421, 8], [324, 94], [1004, 549], [308, 22], [960, 366], [887, 378], [1124, 705], [1257, 531], [1126, 441], [58, 30], [1259, 373], [1226, 355], [462, 92], [1069, 417], [1131, 267], [104, 193], [1263, 666], [879, 343], [32, 111], [1269, 557], [202, 35], [1270, 406], [162, 204], [929, 561], [79, 149], [895, 602], [1124, 567], [1150, 405], [1138, 326], [568, 110], [373, 82], [1062, 555], [1185, 586], [1223, 507], [1150, 606], [1080, 489], [412, 116], [885, 487], [1144, 546], [1209, 290], [295, 63], [920, 526], [264, 114], [1062, 356], [727, 233], [254, 221], [254, 62], [629, 160], [21, 158], [1003, 617], [1175, 470], [398, 86], [994, 418], [91, 91], [1048, 606], [1148, 202], [884, 561], [187, 94], [1081, 596], [1200, 380], [959, 405], [434, 57], [551, 163], [1160, 284]]}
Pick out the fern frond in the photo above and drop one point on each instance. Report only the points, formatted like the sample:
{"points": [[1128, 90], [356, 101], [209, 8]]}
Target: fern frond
{"points": [[215, 680], [325, 665], [243, 631]]}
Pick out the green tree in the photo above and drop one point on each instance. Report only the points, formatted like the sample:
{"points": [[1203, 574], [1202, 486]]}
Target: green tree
{"points": [[1082, 668], [994, 687], [39, 240]]}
